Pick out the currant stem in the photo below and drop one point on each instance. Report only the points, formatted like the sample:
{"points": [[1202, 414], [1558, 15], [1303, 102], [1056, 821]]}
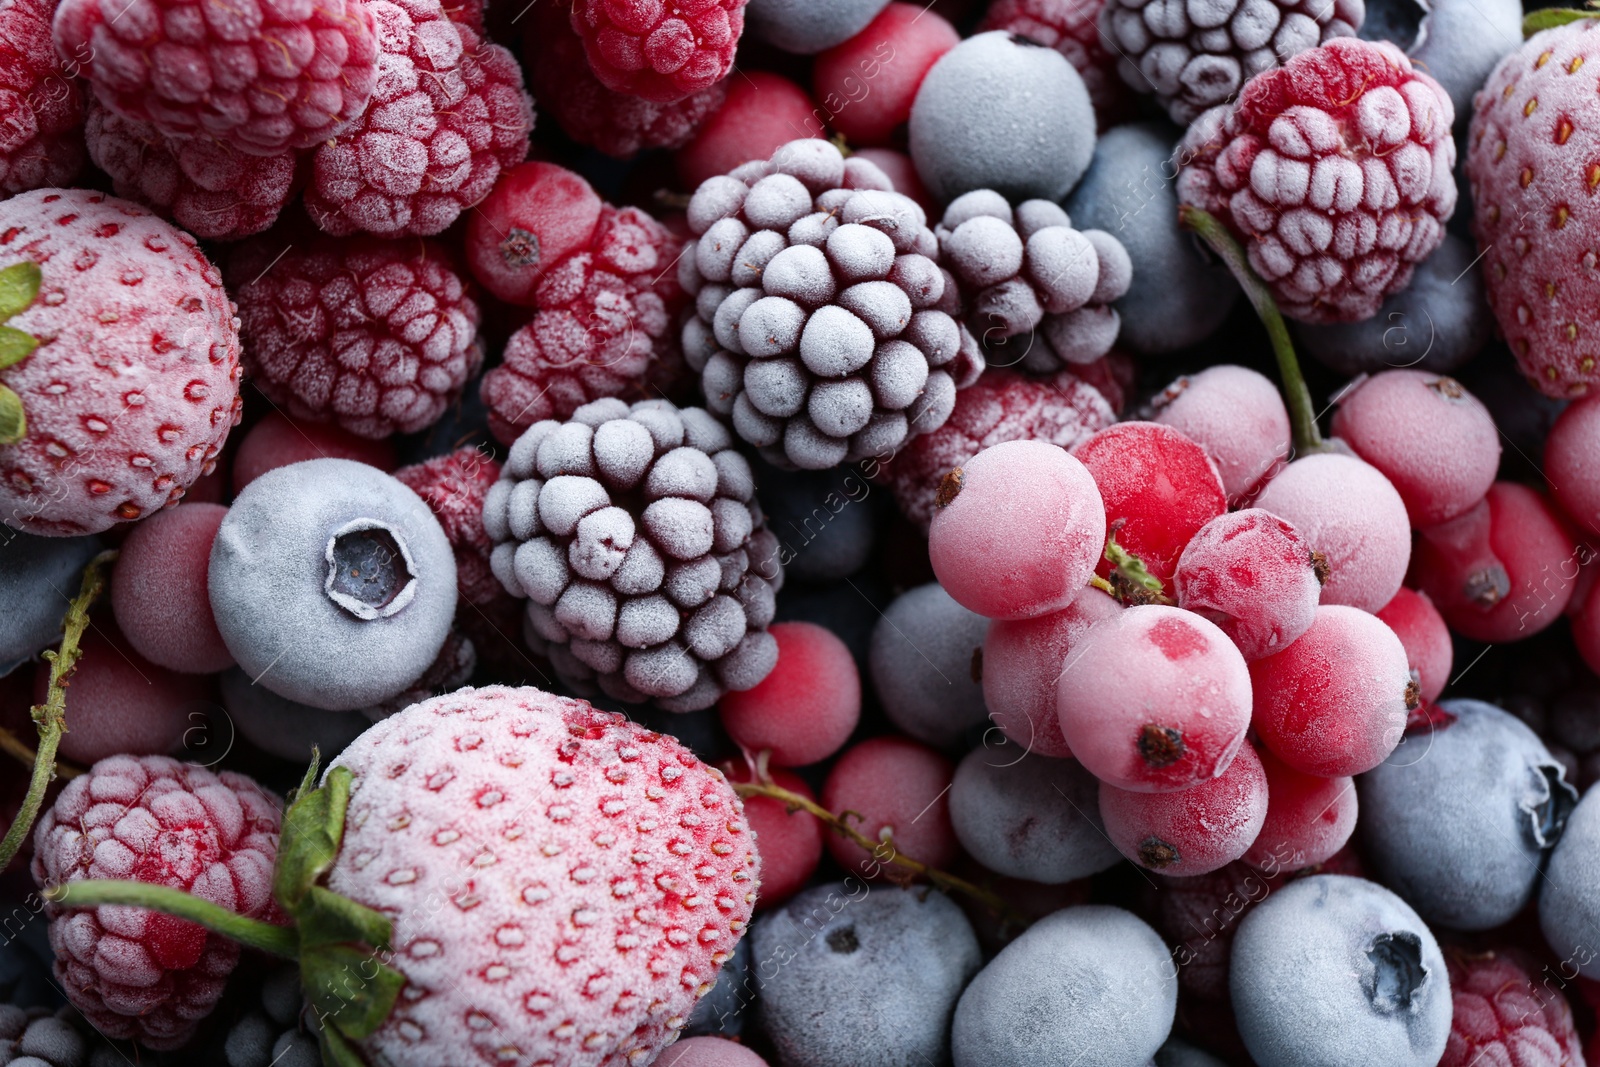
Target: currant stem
{"points": [[92, 892], [942, 879], [51, 716], [1302, 416]]}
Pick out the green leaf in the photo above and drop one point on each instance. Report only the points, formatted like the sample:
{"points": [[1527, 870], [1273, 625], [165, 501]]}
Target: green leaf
{"points": [[13, 424], [336, 1051], [19, 284], [308, 781], [352, 989], [15, 346], [1551, 17], [326, 918], [313, 827]]}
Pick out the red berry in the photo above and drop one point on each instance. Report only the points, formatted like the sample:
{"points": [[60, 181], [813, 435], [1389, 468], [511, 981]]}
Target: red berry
{"points": [[1334, 703], [1308, 818], [1193, 831], [1254, 576], [866, 84], [377, 336], [40, 146], [662, 50], [1156, 700], [789, 842], [1347, 510], [1237, 416], [902, 173], [763, 112], [263, 78], [454, 486], [1018, 532], [1503, 571], [1023, 659], [806, 709], [1334, 170], [899, 789], [277, 441], [135, 973], [536, 216], [1421, 629], [1433, 440], [158, 590], [1571, 456], [1508, 1009], [1160, 485]]}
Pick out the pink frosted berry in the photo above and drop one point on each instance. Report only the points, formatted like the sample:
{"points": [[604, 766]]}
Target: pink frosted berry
{"points": [[40, 101], [1156, 700], [661, 50], [131, 706], [1309, 818], [1254, 576], [867, 83], [790, 840], [558, 877], [277, 441], [376, 336], [763, 112], [1018, 530], [1236, 415], [1333, 170], [135, 383], [207, 186], [1571, 456], [1334, 703], [899, 788], [1433, 440], [1002, 405], [1158, 484], [807, 708], [135, 973], [447, 116], [454, 487], [1347, 510], [159, 592], [1193, 831], [1421, 629], [262, 77], [1022, 661]]}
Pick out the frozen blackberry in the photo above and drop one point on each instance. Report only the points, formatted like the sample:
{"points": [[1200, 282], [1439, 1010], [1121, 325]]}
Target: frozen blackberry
{"points": [[1035, 291], [275, 1030], [1197, 55], [635, 536], [818, 328]]}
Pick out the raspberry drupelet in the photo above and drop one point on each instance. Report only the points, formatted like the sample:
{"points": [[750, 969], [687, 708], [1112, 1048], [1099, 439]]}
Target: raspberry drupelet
{"points": [[42, 102], [661, 50]]}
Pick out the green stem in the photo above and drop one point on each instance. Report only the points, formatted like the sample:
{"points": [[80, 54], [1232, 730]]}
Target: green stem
{"points": [[1302, 416], [93, 892], [51, 716]]}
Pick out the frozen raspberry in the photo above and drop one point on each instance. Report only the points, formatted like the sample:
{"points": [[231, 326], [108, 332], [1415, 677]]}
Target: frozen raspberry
{"points": [[597, 928], [1034, 291], [636, 538], [1334, 171], [41, 101], [1196, 56], [1070, 27], [139, 974], [763, 112], [1532, 204], [1508, 1010], [203, 184], [605, 294], [807, 708], [618, 124], [448, 114], [866, 84], [376, 336], [661, 50], [1254, 576], [1000, 406], [817, 329], [262, 77], [454, 486], [1194, 831], [135, 383]]}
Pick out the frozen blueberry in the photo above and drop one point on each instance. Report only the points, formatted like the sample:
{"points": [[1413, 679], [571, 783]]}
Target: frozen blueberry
{"points": [[1177, 296], [883, 966], [1091, 984], [332, 583], [1437, 323], [1334, 971], [807, 27], [1001, 112], [1179, 1053], [1569, 897], [1457, 821], [38, 576], [927, 665], [1029, 816], [721, 1011], [282, 727], [823, 520], [1458, 42]]}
